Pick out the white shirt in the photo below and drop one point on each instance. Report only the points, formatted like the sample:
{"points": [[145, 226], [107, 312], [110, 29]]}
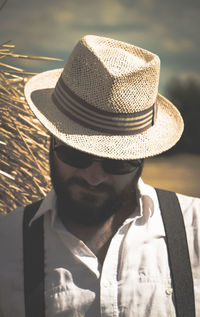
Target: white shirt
{"points": [[133, 281]]}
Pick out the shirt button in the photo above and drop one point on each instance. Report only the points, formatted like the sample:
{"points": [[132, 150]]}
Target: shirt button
{"points": [[106, 284], [169, 291]]}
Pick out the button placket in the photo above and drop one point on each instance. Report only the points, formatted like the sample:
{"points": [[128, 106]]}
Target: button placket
{"points": [[108, 284]]}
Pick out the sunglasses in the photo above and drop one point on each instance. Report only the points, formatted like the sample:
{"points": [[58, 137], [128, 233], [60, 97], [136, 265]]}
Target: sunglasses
{"points": [[83, 160]]}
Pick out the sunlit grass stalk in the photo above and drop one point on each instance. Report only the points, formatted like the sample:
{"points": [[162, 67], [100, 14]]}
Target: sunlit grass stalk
{"points": [[24, 170]]}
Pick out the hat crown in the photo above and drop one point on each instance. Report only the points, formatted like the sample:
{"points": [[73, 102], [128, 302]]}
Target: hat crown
{"points": [[105, 102], [112, 76]]}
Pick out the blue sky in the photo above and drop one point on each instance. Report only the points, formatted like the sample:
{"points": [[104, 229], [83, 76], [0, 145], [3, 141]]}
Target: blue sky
{"points": [[52, 27]]}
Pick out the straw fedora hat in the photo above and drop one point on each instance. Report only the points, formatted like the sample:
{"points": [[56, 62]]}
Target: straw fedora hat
{"points": [[105, 101]]}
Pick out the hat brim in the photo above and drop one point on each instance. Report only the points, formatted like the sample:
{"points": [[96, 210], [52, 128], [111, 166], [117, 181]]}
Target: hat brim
{"points": [[160, 137]]}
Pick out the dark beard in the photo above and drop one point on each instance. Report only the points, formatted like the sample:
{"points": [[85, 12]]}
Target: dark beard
{"points": [[86, 211]]}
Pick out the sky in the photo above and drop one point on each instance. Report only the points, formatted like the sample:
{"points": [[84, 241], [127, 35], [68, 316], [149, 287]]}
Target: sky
{"points": [[52, 28]]}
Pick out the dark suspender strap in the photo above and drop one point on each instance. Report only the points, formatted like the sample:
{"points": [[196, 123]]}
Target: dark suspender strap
{"points": [[33, 248], [178, 253]]}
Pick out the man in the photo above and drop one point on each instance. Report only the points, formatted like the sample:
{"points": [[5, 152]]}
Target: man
{"points": [[104, 245]]}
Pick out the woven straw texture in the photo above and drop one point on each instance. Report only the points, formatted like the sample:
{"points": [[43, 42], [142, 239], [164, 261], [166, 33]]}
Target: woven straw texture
{"points": [[115, 77]]}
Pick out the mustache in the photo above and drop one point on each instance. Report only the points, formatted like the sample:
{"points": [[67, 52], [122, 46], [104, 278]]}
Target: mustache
{"points": [[83, 183]]}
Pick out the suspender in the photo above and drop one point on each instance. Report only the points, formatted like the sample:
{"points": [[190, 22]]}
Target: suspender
{"points": [[33, 241], [178, 253]]}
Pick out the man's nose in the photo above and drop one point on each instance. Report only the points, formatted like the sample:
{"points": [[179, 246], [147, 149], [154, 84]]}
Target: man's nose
{"points": [[94, 174]]}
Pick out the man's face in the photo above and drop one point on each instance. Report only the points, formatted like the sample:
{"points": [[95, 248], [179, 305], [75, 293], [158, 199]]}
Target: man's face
{"points": [[90, 195]]}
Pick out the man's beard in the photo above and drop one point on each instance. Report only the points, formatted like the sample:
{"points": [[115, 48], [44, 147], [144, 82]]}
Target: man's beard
{"points": [[88, 210]]}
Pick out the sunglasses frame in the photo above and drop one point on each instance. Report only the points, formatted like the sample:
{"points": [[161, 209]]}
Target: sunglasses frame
{"points": [[105, 162]]}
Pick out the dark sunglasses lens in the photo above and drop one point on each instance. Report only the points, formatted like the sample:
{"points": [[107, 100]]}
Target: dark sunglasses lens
{"points": [[120, 167], [73, 157], [80, 159]]}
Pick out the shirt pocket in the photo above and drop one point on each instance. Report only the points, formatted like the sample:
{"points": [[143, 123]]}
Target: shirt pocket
{"points": [[146, 296], [67, 300]]}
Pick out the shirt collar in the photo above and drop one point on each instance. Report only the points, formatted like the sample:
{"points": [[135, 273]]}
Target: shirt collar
{"points": [[48, 205], [147, 204]]}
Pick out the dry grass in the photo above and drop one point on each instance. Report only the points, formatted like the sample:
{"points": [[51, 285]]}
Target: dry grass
{"points": [[24, 175]]}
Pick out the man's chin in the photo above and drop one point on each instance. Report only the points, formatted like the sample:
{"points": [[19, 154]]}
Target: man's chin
{"points": [[87, 202], [87, 211], [89, 199]]}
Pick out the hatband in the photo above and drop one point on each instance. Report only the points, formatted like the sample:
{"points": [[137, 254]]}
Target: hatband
{"points": [[91, 117]]}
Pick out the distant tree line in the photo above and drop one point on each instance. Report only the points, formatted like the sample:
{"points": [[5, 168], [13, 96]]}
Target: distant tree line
{"points": [[185, 95]]}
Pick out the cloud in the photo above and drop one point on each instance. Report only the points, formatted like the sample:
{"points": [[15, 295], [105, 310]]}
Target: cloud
{"points": [[168, 28], [137, 21]]}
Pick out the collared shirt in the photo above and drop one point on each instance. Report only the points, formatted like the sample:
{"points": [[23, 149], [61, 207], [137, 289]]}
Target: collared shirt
{"points": [[133, 281]]}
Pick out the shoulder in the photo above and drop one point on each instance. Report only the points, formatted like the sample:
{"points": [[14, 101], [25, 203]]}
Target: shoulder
{"points": [[15, 217], [11, 224], [11, 236], [190, 207], [187, 201], [191, 213], [11, 229], [11, 220], [11, 240]]}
